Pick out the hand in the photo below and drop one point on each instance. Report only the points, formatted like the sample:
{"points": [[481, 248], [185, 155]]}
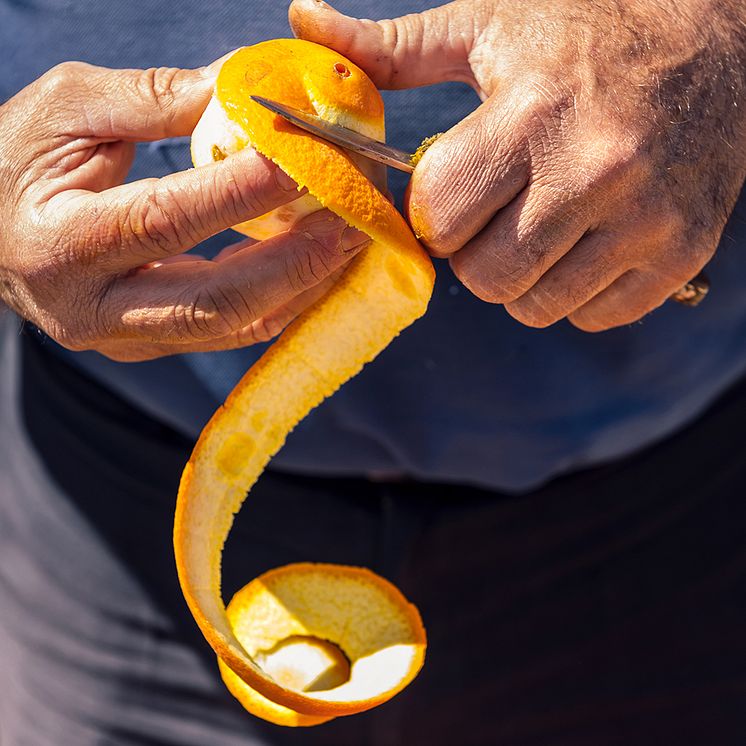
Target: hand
{"points": [[100, 265], [598, 174]]}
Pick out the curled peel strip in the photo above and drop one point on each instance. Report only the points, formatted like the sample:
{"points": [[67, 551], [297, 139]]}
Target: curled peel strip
{"points": [[386, 287]]}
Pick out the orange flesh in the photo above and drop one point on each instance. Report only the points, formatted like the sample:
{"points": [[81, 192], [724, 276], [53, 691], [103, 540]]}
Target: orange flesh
{"points": [[384, 290]]}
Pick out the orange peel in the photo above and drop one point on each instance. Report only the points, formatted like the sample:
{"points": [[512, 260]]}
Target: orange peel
{"points": [[299, 624]]}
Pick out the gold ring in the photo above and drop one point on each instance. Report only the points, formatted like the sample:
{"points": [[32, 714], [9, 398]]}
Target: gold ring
{"points": [[693, 292]]}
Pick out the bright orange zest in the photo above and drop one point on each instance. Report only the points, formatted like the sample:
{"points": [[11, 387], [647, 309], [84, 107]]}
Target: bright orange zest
{"points": [[305, 643]]}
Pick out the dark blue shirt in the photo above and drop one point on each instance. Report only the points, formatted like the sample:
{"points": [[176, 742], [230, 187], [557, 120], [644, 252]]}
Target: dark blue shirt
{"points": [[467, 394]]}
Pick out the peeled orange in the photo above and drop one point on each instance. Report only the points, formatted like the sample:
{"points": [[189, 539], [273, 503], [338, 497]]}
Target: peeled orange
{"points": [[303, 643]]}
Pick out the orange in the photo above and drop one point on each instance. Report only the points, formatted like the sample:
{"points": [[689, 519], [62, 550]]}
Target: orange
{"points": [[284, 634]]}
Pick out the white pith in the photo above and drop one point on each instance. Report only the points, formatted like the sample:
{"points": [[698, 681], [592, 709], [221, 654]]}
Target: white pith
{"points": [[216, 129]]}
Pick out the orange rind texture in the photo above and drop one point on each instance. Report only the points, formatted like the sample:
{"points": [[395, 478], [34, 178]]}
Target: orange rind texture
{"points": [[378, 632], [385, 288]]}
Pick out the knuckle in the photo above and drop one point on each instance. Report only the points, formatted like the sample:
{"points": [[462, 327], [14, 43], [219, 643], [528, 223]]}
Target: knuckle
{"points": [[307, 266], [664, 224], [50, 274], [156, 86], [530, 312], [483, 291], [590, 169], [549, 94], [669, 219], [549, 106], [38, 269], [700, 251], [628, 158], [672, 220], [238, 196], [588, 322], [695, 240], [608, 313], [71, 340], [589, 325], [617, 158], [46, 277], [62, 76], [494, 282], [679, 261], [502, 271], [463, 267], [83, 322], [216, 311], [267, 328], [690, 257], [155, 221], [397, 36], [515, 280], [318, 249]]}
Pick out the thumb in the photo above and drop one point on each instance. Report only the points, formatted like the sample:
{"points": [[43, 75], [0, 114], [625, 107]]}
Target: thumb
{"points": [[406, 52]]}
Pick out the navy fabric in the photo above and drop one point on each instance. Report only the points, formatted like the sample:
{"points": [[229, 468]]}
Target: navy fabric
{"points": [[603, 609], [467, 394]]}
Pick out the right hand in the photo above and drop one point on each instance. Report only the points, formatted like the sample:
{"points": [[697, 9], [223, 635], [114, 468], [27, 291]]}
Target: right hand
{"points": [[597, 177], [99, 265]]}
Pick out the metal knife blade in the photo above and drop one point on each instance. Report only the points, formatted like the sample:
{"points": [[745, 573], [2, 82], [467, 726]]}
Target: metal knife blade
{"points": [[345, 138]]}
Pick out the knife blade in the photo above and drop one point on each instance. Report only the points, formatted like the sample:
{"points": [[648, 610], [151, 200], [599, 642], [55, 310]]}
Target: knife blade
{"points": [[342, 136]]}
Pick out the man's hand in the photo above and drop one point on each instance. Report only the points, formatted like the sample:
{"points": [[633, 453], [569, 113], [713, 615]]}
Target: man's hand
{"points": [[598, 174], [100, 265]]}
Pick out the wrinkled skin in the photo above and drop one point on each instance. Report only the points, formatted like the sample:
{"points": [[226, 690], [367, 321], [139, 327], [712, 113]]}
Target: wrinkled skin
{"points": [[597, 176], [100, 265]]}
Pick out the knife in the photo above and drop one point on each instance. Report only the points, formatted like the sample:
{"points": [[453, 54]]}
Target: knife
{"points": [[346, 138], [691, 294]]}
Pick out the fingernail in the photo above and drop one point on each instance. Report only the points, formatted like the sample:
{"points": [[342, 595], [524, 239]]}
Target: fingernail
{"points": [[324, 218], [284, 181], [353, 239]]}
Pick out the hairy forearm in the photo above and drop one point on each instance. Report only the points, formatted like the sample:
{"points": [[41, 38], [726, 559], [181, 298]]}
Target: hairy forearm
{"points": [[699, 86]]}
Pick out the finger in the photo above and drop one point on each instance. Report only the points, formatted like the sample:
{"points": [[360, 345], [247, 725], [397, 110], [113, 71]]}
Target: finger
{"points": [[199, 301], [520, 244], [234, 248], [134, 104], [261, 330], [272, 324], [414, 50], [176, 259], [148, 220], [632, 296], [593, 264], [467, 175]]}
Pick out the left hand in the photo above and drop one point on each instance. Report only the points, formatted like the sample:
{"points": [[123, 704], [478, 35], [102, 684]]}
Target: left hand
{"points": [[598, 174]]}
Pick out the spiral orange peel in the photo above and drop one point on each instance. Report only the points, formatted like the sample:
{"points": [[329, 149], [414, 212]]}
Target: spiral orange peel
{"points": [[305, 623]]}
